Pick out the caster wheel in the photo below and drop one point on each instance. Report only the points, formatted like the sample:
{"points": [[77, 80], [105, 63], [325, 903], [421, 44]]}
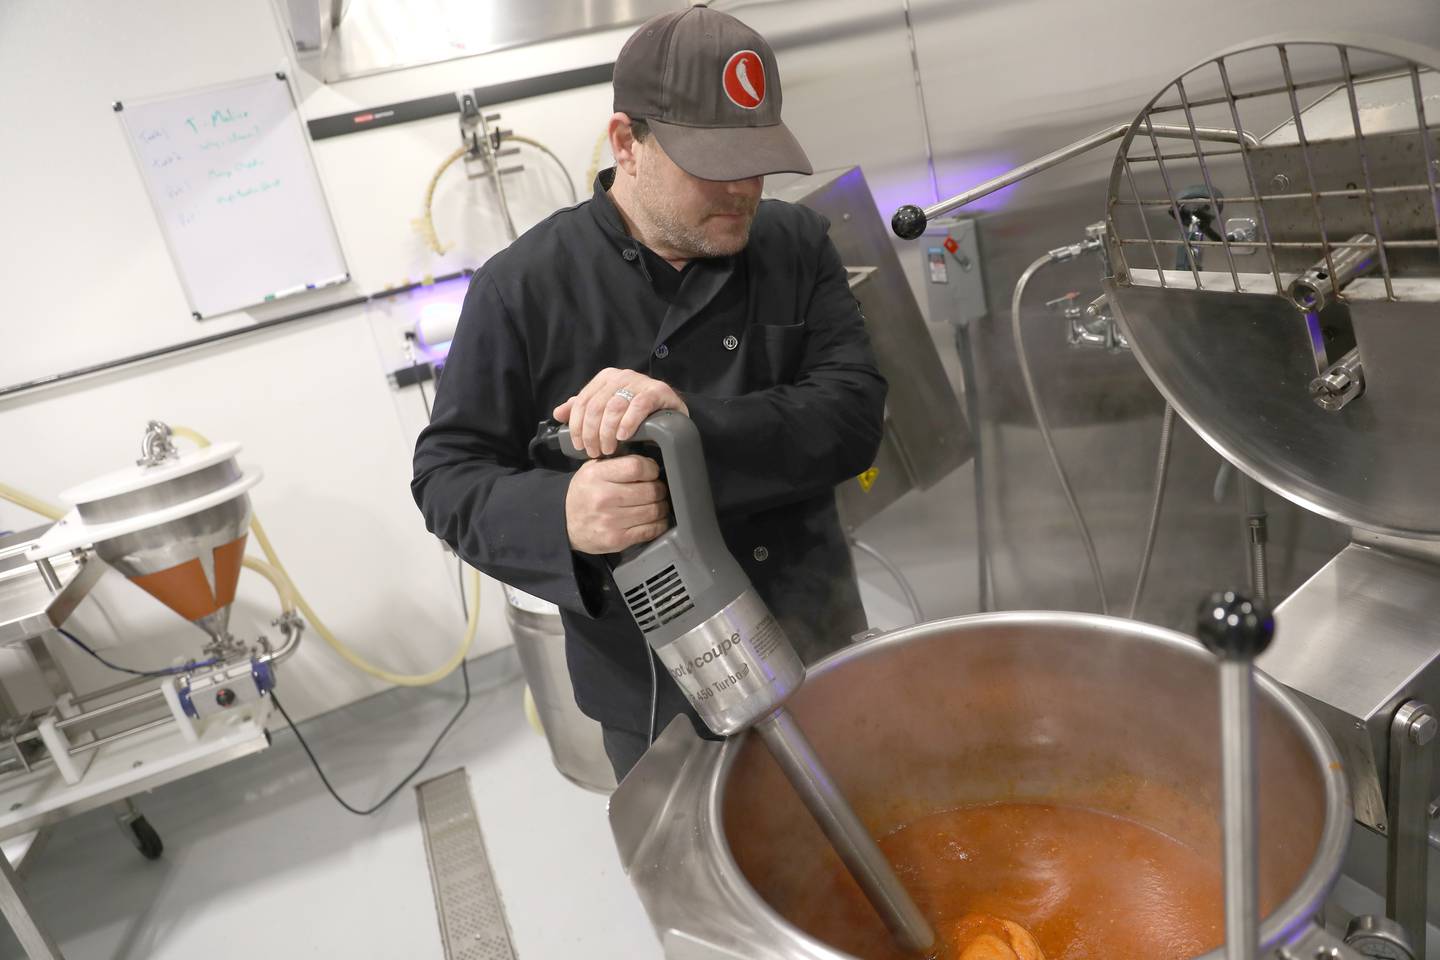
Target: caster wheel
{"points": [[146, 840]]}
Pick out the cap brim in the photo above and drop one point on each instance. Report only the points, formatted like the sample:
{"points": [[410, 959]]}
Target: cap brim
{"points": [[732, 153]]}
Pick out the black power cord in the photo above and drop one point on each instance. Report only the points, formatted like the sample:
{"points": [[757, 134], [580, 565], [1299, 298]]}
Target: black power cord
{"points": [[424, 397], [464, 674], [654, 689], [166, 672]]}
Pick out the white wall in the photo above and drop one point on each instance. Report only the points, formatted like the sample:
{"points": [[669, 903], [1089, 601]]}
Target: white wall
{"points": [[87, 278]]}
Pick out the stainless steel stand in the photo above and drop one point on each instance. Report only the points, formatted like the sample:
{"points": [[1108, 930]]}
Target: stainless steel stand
{"points": [[16, 908]]}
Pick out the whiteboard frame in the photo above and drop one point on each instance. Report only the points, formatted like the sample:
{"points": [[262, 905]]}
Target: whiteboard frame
{"points": [[120, 106]]}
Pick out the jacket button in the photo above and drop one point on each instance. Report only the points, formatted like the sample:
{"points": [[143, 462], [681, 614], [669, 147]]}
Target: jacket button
{"points": [[629, 253], [730, 342], [662, 351], [762, 554]]}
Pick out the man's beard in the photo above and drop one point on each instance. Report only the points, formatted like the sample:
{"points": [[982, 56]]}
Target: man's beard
{"points": [[689, 239]]}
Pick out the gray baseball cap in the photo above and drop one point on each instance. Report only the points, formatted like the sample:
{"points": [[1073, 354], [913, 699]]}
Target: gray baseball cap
{"points": [[709, 88]]}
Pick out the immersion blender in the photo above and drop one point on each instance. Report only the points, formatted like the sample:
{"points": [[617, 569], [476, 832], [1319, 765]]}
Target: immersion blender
{"points": [[723, 647]]}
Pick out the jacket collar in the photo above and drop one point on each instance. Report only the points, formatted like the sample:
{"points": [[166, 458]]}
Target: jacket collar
{"points": [[700, 285]]}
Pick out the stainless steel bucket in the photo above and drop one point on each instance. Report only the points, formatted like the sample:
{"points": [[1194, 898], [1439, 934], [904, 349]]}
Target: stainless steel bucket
{"points": [[1105, 713], [575, 740]]}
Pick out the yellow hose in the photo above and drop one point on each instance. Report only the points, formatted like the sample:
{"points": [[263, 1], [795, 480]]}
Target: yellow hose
{"points": [[595, 156], [278, 580], [426, 224], [47, 510], [346, 654]]}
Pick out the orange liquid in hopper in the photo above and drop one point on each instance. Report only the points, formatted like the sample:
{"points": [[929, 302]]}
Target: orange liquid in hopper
{"points": [[1085, 885]]}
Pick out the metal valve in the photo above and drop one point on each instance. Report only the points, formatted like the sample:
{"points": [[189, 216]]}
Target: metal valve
{"points": [[1068, 305], [1379, 938]]}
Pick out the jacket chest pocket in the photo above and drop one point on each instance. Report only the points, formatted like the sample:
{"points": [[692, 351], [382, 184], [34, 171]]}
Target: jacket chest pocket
{"points": [[774, 352]]}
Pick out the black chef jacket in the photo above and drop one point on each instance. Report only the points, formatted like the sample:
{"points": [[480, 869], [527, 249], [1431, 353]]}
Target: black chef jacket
{"points": [[768, 350]]}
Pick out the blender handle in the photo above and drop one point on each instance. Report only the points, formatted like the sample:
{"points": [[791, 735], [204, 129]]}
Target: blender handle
{"points": [[1237, 630], [681, 456]]}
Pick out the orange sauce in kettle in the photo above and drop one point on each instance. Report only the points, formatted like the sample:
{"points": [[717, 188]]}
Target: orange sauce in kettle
{"points": [[1086, 885]]}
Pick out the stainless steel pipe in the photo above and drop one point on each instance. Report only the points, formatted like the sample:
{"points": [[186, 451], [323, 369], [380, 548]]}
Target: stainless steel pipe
{"points": [[1242, 879], [1317, 287], [1237, 630], [845, 831]]}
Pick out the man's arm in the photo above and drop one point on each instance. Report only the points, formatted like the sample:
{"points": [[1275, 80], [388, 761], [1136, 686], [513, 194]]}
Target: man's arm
{"points": [[794, 441], [473, 480]]}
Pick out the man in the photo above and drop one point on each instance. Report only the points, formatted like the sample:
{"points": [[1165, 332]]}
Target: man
{"points": [[674, 288]]}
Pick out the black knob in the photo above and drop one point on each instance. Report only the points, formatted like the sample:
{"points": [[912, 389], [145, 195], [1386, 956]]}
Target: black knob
{"points": [[909, 222], [225, 697], [1233, 626]]}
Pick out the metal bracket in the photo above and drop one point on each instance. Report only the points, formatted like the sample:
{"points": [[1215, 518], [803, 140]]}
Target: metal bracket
{"points": [[1342, 381], [1315, 943], [1412, 757], [157, 446], [854, 276], [482, 143]]}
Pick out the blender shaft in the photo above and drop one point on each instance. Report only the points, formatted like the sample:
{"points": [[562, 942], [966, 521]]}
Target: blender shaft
{"points": [[852, 841]]}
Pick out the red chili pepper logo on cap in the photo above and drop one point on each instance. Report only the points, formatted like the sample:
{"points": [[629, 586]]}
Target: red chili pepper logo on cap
{"points": [[745, 79]]}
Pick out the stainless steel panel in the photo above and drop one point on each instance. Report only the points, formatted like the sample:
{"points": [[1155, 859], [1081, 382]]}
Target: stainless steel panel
{"points": [[1238, 368], [928, 427], [379, 35], [1384, 105], [885, 483], [1394, 160], [1355, 642]]}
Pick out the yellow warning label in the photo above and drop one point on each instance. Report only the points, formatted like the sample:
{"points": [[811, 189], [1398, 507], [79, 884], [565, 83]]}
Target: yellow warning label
{"points": [[867, 479]]}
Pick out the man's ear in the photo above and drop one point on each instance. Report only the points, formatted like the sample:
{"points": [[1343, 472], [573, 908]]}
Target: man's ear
{"points": [[622, 143]]}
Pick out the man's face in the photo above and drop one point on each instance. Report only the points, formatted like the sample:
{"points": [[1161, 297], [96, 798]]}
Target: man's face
{"points": [[694, 217]]}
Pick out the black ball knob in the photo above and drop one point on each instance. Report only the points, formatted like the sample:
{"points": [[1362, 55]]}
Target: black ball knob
{"points": [[909, 222], [1233, 626]]}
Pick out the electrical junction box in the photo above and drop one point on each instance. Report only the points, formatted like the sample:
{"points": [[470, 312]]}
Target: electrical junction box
{"points": [[954, 280]]}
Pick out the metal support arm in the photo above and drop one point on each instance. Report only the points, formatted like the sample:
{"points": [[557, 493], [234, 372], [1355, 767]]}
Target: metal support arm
{"points": [[910, 221], [1412, 757]]}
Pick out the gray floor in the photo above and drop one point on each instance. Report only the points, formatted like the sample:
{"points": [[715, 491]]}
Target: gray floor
{"points": [[259, 859]]}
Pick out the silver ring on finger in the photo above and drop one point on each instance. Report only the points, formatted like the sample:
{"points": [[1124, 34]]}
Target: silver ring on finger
{"points": [[626, 394]]}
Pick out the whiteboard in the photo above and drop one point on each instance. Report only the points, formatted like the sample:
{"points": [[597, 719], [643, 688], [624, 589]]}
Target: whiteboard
{"points": [[229, 172]]}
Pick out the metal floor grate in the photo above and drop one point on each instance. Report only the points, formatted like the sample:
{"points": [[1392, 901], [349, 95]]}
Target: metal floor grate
{"points": [[472, 919]]}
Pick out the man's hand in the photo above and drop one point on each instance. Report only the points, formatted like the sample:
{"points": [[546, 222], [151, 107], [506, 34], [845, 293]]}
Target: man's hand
{"points": [[614, 504], [601, 417]]}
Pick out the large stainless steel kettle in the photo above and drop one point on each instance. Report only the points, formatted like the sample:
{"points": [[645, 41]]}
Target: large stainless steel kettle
{"points": [[1106, 713]]}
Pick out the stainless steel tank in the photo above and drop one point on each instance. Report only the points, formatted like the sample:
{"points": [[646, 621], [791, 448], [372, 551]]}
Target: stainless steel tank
{"points": [[575, 741], [1104, 713]]}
